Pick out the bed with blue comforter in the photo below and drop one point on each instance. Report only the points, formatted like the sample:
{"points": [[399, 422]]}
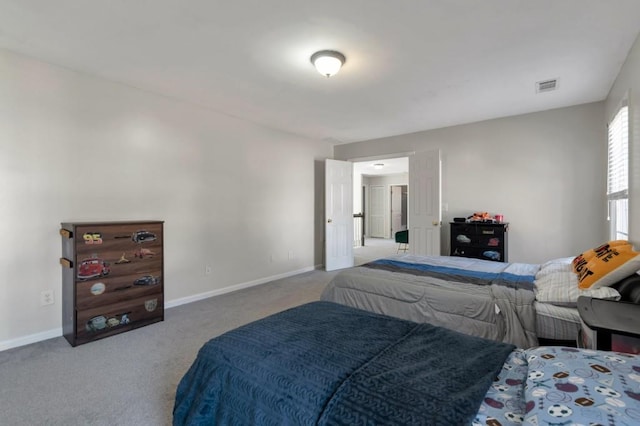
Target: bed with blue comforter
{"points": [[494, 300], [329, 364]]}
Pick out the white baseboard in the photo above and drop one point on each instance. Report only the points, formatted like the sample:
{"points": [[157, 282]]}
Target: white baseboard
{"points": [[189, 299], [32, 338], [57, 332]]}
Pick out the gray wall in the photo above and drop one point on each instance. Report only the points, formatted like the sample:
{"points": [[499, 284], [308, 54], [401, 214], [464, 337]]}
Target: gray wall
{"points": [[545, 172], [235, 196], [628, 84]]}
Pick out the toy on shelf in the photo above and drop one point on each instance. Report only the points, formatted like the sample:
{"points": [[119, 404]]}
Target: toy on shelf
{"points": [[480, 217], [485, 218]]}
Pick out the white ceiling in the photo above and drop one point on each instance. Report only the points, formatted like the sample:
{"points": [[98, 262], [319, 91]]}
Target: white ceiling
{"points": [[411, 64], [390, 166]]}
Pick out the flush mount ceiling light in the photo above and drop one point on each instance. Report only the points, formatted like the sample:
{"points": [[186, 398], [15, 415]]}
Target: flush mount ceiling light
{"points": [[328, 62], [378, 166]]}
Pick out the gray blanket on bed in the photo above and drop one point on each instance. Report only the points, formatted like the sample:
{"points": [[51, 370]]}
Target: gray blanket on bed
{"points": [[493, 311]]}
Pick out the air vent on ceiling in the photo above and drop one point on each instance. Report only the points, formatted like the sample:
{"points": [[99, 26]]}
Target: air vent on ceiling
{"points": [[546, 85]]}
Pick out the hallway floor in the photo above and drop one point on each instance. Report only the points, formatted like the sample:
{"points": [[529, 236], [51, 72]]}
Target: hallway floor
{"points": [[374, 248]]}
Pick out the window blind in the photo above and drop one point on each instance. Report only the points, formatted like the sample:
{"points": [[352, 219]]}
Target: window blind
{"points": [[618, 174]]}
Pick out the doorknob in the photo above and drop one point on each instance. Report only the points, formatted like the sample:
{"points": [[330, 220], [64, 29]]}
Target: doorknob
{"points": [[329, 220]]}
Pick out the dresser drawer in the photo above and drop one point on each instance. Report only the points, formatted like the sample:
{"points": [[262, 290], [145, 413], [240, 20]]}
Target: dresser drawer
{"points": [[482, 230], [115, 264], [111, 319], [113, 235], [117, 238], [101, 292]]}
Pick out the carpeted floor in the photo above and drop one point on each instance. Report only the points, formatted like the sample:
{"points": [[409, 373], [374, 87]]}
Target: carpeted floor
{"points": [[130, 378], [375, 248]]}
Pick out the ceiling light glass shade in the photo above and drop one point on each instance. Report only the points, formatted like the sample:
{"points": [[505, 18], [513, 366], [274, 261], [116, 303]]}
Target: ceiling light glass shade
{"points": [[378, 166], [328, 62]]}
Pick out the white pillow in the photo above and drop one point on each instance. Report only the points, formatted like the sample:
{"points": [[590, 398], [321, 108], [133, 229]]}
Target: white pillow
{"points": [[563, 264], [561, 288]]}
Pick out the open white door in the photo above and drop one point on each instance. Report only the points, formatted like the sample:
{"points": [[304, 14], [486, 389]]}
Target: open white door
{"points": [[338, 214], [377, 212], [424, 203]]}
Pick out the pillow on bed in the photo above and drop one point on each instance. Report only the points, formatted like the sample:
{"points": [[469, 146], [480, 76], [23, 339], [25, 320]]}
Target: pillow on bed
{"points": [[562, 264], [586, 256], [608, 266], [560, 288]]}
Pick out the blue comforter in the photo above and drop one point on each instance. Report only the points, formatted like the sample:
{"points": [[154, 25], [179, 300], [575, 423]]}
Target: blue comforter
{"points": [[324, 363], [498, 274]]}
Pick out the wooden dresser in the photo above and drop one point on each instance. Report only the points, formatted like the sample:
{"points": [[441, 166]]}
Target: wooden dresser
{"points": [[112, 278]]}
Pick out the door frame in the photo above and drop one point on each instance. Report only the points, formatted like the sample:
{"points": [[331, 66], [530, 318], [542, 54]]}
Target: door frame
{"points": [[408, 154], [398, 155]]}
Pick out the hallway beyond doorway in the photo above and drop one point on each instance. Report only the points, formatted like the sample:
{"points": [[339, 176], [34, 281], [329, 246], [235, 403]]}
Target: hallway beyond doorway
{"points": [[374, 248]]}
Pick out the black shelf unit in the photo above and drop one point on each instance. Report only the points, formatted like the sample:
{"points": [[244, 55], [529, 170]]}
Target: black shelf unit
{"points": [[480, 240]]}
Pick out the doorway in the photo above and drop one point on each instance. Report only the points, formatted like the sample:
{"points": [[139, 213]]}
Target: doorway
{"points": [[420, 172], [423, 218], [373, 182]]}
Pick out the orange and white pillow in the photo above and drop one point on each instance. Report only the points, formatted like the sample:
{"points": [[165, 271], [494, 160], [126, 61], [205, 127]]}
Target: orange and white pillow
{"points": [[606, 265]]}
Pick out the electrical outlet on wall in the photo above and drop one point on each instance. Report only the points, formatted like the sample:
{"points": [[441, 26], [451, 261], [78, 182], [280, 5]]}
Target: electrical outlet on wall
{"points": [[46, 297]]}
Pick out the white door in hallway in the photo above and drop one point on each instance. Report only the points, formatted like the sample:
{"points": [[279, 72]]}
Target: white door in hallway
{"points": [[397, 211], [338, 214], [425, 213], [376, 211]]}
